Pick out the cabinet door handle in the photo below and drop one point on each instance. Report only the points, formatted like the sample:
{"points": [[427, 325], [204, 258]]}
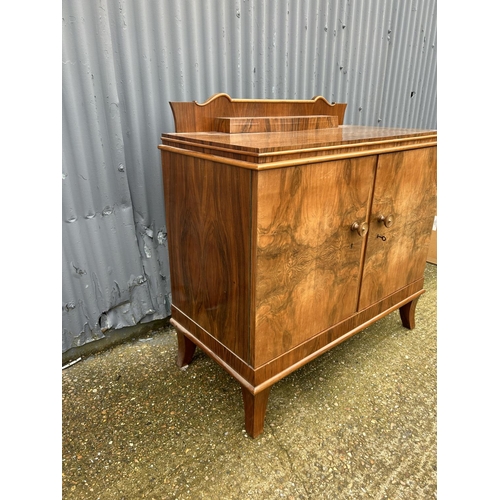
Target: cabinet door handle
{"points": [[387, 220], [361, 229]]}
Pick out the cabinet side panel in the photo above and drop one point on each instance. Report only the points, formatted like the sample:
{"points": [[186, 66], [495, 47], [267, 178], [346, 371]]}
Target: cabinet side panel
{"points": [[208, 229], [308, 259], [405, 188]]}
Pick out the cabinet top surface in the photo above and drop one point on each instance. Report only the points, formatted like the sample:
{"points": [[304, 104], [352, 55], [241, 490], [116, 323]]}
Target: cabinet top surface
{"points": [[265, 142]]}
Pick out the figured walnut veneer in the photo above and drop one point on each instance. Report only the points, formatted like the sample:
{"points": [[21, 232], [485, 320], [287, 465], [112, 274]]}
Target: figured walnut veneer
{"points": [[249, 125], [195, 117], [284, 244], [305, 250]]}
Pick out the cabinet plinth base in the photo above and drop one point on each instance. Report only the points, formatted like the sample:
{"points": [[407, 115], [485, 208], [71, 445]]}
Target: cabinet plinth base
{"points": [[256, 383]]}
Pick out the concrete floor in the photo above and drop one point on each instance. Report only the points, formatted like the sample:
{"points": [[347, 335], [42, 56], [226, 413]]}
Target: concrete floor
{"points": [[358, 422]]}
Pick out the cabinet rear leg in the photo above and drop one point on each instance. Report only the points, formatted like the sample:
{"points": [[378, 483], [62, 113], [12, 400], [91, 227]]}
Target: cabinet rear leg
{"points": [[185, 350], [407, 313], [255, 410]]}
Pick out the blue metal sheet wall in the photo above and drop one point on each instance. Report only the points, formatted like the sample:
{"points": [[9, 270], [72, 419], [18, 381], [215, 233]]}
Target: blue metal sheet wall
{"points": [[124, 60]]}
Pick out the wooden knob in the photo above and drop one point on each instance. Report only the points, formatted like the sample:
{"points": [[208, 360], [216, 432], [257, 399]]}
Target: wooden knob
{"points": [[361, 229], [387, 220]]}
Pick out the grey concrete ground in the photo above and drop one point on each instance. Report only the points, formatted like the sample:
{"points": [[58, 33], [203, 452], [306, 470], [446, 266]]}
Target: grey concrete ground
{"points": [[357, 423]]}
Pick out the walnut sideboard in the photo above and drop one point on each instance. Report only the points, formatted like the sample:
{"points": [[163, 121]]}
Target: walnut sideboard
{"points": [[288, 232]]}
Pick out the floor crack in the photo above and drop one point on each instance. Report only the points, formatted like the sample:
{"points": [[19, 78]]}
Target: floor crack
{"points": [[291, 467]]}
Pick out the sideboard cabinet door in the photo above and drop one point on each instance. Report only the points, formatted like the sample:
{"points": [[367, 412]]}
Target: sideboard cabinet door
{"points": [[307, 254], [403, 210]]}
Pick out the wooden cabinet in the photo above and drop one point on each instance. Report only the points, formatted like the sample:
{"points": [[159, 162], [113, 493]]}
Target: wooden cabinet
{"points": [[288, 232]]}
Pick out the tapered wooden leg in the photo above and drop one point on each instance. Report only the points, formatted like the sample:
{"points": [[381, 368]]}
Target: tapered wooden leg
{"points": [[407, 313], [255, 410], [185, 350]]}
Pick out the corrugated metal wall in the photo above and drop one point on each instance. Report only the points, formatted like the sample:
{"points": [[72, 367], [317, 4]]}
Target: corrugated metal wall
{"points": [[124, 60]]}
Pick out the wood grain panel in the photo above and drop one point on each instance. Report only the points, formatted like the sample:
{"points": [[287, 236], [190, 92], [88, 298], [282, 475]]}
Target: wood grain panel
{"points": [[308, 259], [196, 117], [405, 187], [208, 227], [280, 367], [274, 124]]}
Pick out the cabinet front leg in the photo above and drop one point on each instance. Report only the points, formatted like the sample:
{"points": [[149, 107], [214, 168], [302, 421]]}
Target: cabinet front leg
{"points": [[407, 313], [185, 350], [255, 410]]}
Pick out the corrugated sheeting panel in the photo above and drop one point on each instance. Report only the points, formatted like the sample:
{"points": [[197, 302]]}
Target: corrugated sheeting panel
{"points": [[124, 60]]}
